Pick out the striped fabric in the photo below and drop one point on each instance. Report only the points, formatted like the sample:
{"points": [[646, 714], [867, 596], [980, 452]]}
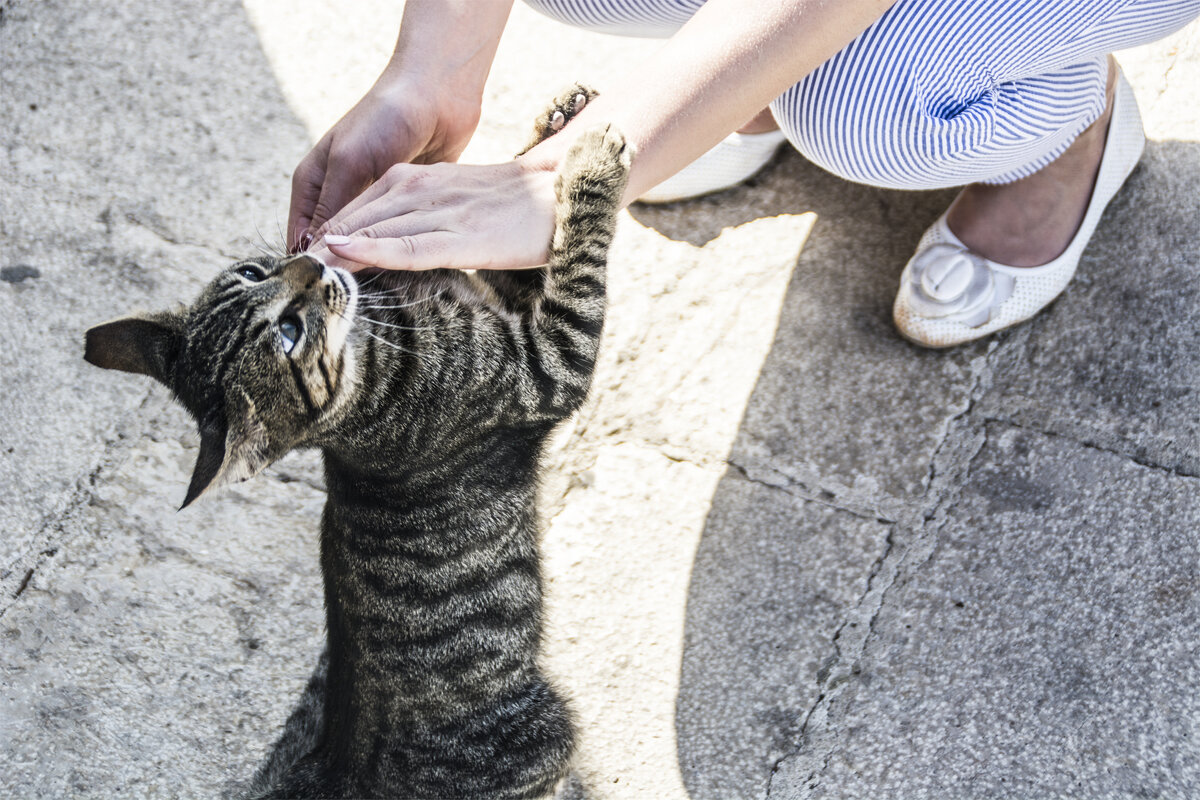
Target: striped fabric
{"points": [[938, 93]]}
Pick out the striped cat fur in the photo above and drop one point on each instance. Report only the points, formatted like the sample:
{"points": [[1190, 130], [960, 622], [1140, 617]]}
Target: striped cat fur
{"points": [[431, 395]]}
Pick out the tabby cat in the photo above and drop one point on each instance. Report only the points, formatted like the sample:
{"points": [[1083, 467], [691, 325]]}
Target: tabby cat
{"points": [[431, 395]]}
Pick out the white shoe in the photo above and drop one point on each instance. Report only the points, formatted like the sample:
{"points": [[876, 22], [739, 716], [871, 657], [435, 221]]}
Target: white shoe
{"points": [[735, 159], [950, 295]]}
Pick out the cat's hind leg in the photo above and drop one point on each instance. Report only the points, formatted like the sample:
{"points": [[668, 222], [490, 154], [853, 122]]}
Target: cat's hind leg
{"points": [[561, 111], [300, 733]]}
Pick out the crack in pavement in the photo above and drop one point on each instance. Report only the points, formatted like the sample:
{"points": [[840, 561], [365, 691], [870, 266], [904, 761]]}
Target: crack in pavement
{"points": [[894, 567], [801, 491]]}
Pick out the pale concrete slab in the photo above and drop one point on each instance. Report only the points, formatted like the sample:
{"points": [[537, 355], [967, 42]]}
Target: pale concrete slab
{"points": [[763, 470], [134, 164], [835, 354], [155, 654]]}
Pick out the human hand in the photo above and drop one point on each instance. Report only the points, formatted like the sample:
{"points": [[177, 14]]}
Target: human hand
{"points": [[398, 120], [460, 216]]}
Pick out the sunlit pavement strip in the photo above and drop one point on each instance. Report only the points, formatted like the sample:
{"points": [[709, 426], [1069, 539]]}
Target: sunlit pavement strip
{"points": [[786, 551]]}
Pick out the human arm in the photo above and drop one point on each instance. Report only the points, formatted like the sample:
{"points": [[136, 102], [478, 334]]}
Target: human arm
{"points": [[727, 63], [422, 109]]}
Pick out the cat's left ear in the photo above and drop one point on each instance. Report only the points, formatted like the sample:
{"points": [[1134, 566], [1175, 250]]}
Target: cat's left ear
{"points": [[147, 344], [229, 452]]}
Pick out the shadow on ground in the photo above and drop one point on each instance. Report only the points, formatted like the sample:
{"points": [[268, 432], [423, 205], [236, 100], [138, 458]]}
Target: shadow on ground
{"points": [[972, 568]]}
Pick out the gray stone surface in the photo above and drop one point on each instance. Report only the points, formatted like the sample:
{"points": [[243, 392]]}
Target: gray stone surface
{"points": [[1047, 648], [770, 585], [759, 531], [835, 354], [145, 659], [133, 166]]}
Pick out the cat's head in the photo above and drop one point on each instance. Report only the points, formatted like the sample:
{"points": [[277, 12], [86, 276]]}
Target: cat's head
{"points": [[260, 360]]}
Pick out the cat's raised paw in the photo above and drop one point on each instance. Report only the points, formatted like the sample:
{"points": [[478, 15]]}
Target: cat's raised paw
{"points": [[561, 111]]}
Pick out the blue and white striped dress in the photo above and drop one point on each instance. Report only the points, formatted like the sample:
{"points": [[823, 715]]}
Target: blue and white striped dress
{"points": [[938, 93]]}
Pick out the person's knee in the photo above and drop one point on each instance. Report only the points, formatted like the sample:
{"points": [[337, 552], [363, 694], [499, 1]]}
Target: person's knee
{"points": [[888, 122], [889, 136], [828, 127], [640, 18]]}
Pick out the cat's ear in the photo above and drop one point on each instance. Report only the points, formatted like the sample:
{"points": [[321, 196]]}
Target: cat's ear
{"points": [[212, 455], [146, 344], [229, 452]]}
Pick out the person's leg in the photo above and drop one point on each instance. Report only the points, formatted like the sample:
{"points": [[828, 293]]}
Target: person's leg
{"points": [[942, 93], [1030, 221], [1009, 96]]}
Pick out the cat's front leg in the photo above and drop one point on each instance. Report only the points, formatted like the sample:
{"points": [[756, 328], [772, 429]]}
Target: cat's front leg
{"points": [[566, 322]]}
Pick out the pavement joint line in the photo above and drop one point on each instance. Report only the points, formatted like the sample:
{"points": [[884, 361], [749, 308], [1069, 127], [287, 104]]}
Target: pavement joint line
{"points": [[801, 491], [167, 238], [1166, 83], [980, 385], [1179, 472], [1020, 340], [830, 680], [147, 536]]}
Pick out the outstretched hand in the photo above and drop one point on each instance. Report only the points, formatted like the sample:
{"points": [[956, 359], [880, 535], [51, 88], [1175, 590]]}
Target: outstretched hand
{"points": [[397, 121], [446, 215]]}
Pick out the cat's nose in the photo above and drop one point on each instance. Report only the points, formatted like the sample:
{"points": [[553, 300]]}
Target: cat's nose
{"points": [[303, 270]]}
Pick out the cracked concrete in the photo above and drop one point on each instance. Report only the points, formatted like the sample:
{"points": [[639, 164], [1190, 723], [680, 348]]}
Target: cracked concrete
{"points": [[787, 554]]}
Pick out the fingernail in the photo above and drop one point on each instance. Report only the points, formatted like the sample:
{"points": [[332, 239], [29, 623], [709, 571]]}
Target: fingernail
{"points": [[335, 240], [306, 239]]}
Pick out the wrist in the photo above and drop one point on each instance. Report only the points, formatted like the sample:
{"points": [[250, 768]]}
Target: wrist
{"points": [[434, 80]]}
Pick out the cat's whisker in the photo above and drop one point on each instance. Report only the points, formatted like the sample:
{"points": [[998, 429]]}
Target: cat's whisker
{"points": [[280, 232], [267, 248], [359, 318], [372, 279], [393, 345], [387, 306], [404, 304], [396, 327]]}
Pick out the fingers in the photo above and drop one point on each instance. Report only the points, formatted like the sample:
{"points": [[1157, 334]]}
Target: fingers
{"points": [[447, 216], [343, 180], [431, 250], [319, 250], [349, 219], [307, 181]]}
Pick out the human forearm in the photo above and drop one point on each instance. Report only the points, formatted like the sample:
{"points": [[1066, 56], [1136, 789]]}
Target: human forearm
{"points": [[448, 44], [726, 64]]}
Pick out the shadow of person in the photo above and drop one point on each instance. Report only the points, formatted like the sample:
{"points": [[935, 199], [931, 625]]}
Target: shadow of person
{"points": [[848, 428]]}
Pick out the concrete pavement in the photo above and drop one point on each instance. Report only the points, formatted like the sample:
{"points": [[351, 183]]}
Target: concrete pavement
{"points": [[789, 554]]}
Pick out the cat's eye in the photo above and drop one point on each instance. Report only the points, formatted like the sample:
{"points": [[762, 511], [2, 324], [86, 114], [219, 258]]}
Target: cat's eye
{"points": [[251, 273], [290, 330]]}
